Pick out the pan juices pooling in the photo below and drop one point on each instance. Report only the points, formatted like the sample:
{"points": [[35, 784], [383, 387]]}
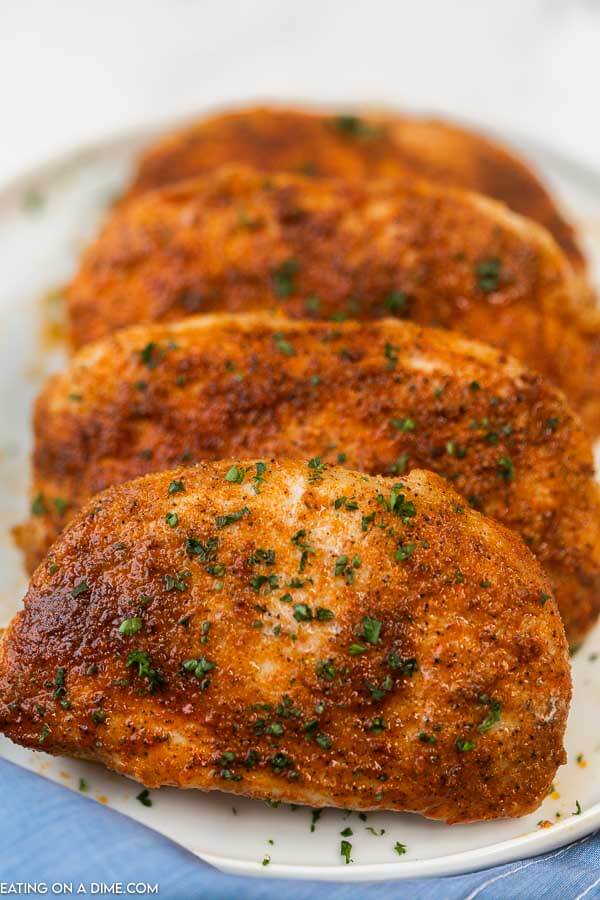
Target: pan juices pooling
{"points": [[272, 625]]}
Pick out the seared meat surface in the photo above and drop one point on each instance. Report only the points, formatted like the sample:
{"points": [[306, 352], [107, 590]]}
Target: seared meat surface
{"points": [[290, 631], [356, 147], [236, 241], [382, 397]]}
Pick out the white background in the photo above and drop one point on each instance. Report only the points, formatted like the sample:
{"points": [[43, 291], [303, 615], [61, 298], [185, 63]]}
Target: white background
{"points": [[77, 71]]}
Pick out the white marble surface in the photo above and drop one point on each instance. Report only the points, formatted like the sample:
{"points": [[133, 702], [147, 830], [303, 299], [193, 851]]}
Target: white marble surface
{"points": [[71, 72]]}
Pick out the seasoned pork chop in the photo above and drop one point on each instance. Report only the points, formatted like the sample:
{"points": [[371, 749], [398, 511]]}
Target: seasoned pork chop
{"points": [[292, 632], [320, 249], [383, 397], [356, 147]]}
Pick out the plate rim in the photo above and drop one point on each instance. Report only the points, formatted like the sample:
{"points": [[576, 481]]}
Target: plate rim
{"points": [[526, 846]]}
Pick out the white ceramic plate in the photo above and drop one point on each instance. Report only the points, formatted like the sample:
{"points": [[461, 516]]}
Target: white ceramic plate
{"points": [[45, 218]]}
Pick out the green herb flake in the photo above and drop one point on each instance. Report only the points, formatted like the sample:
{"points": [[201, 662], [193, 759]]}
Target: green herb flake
{"points": [[284, 278], [506, 469], [371, 630], [130, 626], [463, 745], [493, 715], [38, 505], [400, 848], [231, 518], [317, 467], [144, 797], [405, 424], [396, 302], [142, 660], [172, 519], [346, 850], [79, 589], [488, 273], [404, 551]]}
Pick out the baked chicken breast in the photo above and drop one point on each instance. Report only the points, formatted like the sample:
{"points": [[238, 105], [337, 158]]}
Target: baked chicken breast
{"points": [[290, 631], [354, 146], [382, 397], [238, 241]]}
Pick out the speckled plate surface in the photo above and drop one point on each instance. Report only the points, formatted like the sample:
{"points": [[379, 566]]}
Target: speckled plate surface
{"points": [[45, 219]]}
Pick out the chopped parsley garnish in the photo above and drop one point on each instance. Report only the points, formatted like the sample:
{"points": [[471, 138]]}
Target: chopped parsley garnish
{"points": [[324, 615], [44, 733], [147, 355], [353, 126], [357, 649], [199, 667], [371, 630], [142, 660], [404, 551], [544, 598], [317, 468], [61, 505], [81, 588], [398, 504], [284, 278], [407, 666], [346, 850], [172, 519], [302, 612], [400, 848], [299, 540], [390, 351], [488, 274], [552, 423], [343, 501], [204, 552], [130, 626], [463, 745], [176, 487], [281, 761], [366, 521], [493, 715], [347, 832], [258, 479], [345, 567], [98, 716], [271, 582], [325, 669], [405, 424], [378, 693], [324, 741], [506, 469], [224, 521], [399, 467], [262, 557], [177, 582], [235, 474], [314, 818], [396, 302], [144, 797], [283, 345], [377, 725]]}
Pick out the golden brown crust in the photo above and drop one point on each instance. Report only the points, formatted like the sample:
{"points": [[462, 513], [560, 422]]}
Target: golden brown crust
{"points": [[322, 249], [380, 396], [347, 146], [421, 666]]}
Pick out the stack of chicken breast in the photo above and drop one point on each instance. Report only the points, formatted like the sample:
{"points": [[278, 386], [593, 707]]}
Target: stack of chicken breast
{"points": [[313, 510]]}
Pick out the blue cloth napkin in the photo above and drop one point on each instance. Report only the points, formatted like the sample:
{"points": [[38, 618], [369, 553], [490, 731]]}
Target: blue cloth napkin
{"points": [[49, 834]]}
